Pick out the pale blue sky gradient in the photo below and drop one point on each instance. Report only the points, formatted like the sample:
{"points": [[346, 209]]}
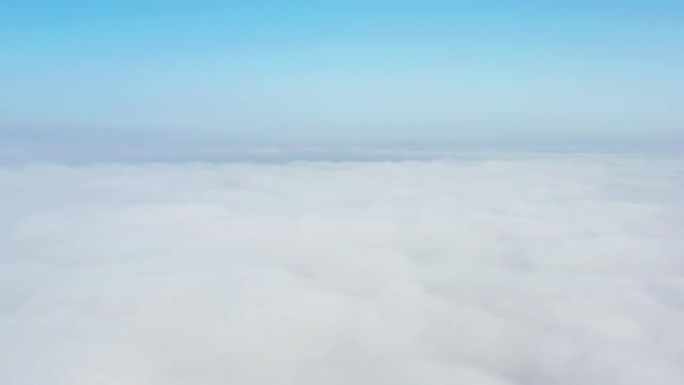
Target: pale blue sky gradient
{"points": [[340, 72]]}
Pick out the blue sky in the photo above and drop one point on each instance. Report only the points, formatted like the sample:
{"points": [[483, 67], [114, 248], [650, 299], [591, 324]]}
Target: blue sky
{"points": [[340, 72]]}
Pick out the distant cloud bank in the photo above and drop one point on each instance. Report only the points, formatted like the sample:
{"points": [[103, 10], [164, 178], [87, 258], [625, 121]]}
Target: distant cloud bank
{"points": [[528, 269]]}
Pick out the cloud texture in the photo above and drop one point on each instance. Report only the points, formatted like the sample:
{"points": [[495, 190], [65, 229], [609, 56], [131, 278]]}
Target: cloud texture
{"points": [[526, 269]]}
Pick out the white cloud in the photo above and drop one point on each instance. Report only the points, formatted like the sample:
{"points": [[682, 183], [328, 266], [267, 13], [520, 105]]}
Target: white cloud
{"points": [[526, 269]]}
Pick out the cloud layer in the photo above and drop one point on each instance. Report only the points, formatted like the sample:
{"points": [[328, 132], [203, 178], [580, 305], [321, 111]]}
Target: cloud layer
{"points": [[525, 269]]}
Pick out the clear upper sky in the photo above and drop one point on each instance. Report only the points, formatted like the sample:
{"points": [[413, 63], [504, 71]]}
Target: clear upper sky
{"points": [[341, 71]]}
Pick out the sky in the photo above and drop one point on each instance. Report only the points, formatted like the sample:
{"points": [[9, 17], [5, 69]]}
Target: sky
{"points": [[163, 74]]}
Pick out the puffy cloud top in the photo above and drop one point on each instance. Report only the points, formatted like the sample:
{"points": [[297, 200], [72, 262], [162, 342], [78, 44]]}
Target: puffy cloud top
{"points": [[525, 269]]}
